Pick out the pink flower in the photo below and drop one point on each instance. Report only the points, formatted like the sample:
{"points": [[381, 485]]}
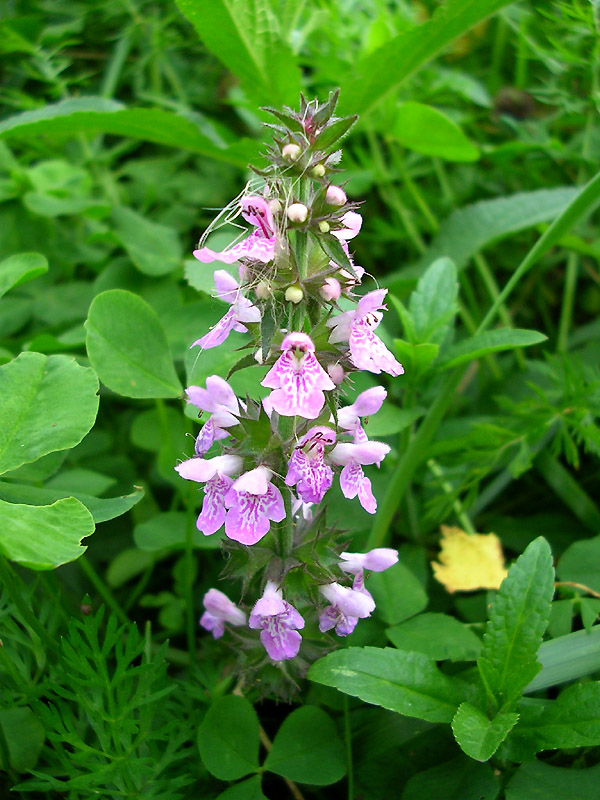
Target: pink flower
{"points": [[219, 399], [278, 622], [367, 351], [219, 610], [331, 290], [297, 378], [259, 246], [253, 502], [352, 223], [241, 310], [367, 403], [348, 605], [377, 560], [307, 469], [352, 479], [215, 474]]}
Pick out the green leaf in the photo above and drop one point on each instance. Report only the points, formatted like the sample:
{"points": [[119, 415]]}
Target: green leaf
{"points": [[44, 537], [386, 68], [489, 342], [518, 618], [245, 790], [246, 38], [167, 531], [540, 781], [459, 779], [153, 248], [432, 305], [49, 403], [95, 115], [580, 563], [390, 420], [438, 636], [228, 738], [398, 594], [128, 347], [307, 748], [409, 683], [567, 658], [479, 736], [572, 720], [570, 490], [20, 268], [332, 134], [426, 130], [24, 736]]}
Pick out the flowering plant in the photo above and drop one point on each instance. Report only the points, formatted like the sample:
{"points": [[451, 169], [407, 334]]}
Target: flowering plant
{"points": [[296, 297]]}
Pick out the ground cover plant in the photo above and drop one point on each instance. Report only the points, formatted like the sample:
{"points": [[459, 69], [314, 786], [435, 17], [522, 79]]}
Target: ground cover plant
{"points": [[260, 539]]}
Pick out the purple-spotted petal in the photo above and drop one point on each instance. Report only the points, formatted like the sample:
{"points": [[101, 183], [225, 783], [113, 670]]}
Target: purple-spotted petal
{"points": [[212, 516], [369, 353], [250, 515], [220, 331], [281, 643]]}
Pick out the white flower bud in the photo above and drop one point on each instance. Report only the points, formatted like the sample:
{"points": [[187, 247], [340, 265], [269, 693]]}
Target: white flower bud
{"points": [[294, 294], [324, 226], [258, 357], [318, 170], [297, 212], [291, 152], [263, 290], [336, 373], [275, 206], [335, 196]]}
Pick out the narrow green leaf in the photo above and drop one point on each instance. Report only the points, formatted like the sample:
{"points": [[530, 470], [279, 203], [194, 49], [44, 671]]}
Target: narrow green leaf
{"points": [[432, 305], [387, 67], [24, 736], [153, 248], [19, 268], [128, 347], [332, 134], [540, 781], [488, 342], [228, 738], [569, 490], [426, 130], [518, 619], [307, 748], [44, 537], [479, 736], [567, 658], [49, 403], [408, 683], [438, 636], [167, 531]]}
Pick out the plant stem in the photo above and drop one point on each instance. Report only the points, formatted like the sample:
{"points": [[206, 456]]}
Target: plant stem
{"points": [[461, 514], [102, 589], [348, 740]]}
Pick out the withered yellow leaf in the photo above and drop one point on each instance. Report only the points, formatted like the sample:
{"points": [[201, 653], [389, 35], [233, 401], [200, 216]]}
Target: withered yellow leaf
{"points": [[469, 561]]}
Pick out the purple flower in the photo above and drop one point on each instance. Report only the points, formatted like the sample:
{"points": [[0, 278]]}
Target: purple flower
{"points": [[214, 473], [241, 310], [219, 610], [367, 351], [348, 605], [352, 479], [219, 399], [377, 560], [306, 467], [366, 404], [297, 378], [278, 622], [253, 502], [259, 246]]}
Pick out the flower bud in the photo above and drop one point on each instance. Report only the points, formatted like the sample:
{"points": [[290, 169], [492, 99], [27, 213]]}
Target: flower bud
{"points": [[297, 212], [336, 373], [275, 206], [291, 152], [324, 226], [294, 294], [318, 170], [331, 289], [263, 290], [335, 196]]}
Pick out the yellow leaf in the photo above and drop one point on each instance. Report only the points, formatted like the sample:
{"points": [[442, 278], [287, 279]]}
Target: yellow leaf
{"points": [[469, 561]]}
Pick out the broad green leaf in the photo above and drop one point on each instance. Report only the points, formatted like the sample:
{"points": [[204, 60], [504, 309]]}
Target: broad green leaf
{"points": [[390, 420], [44, 537], [153, 248], [572, 720], [459, 779], [228, 738], [167, 531], [398, 594], [415, 358], [95, 115], [432, 305], [245, 36], [426, 130], [126, 565], [580, 563], [541, 781], [438, 636], [101, 508], [567, 658], [409, 683], [518, 618], [387, 67], [49, 403], [20, 268], [128, 347], [478, 735], [249, 789], [307, 748], [488, 342], [24, 737]]}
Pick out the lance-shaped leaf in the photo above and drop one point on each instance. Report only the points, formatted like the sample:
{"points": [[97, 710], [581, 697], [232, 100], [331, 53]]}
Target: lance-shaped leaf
{"points": [[489, 342]]}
